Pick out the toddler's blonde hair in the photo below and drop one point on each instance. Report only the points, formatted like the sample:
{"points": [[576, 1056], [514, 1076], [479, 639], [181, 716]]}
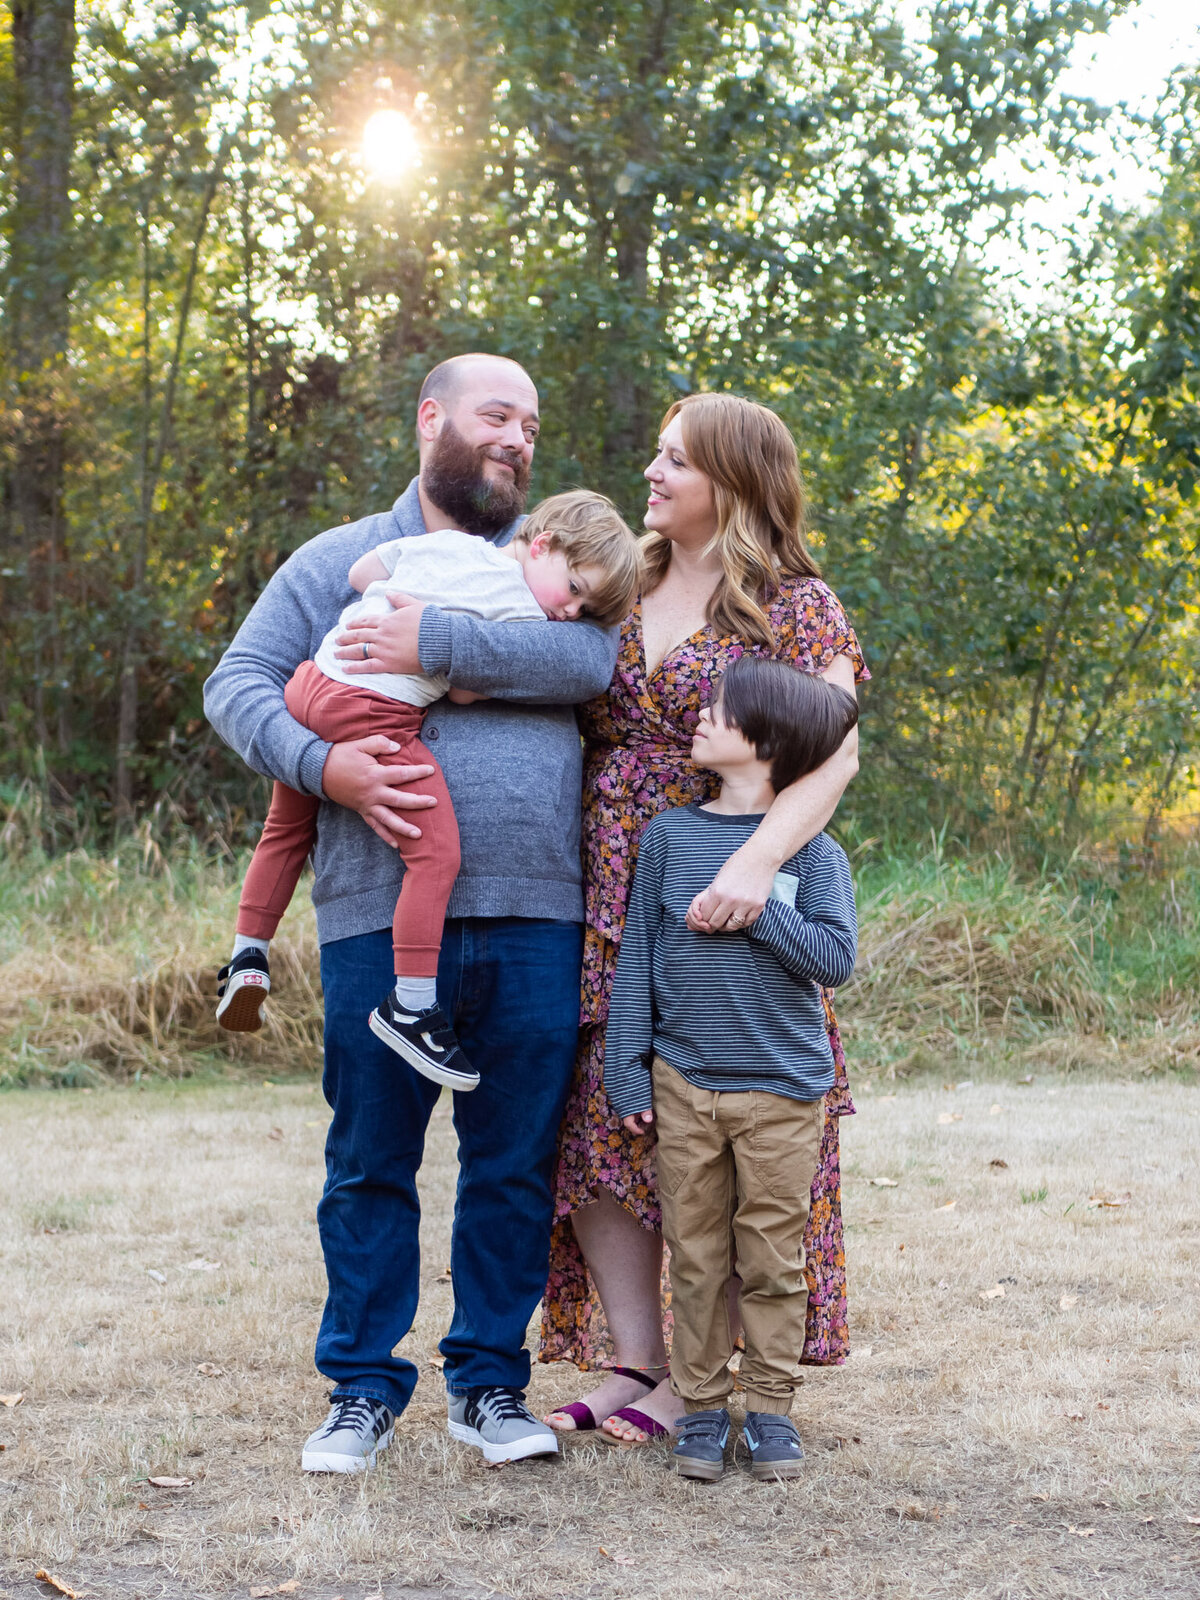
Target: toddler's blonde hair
{"points": [[590, 532]]}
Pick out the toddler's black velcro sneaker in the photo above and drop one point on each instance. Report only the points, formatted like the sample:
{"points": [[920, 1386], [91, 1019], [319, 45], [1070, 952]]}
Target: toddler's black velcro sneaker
{"points": [[426, 1041], [242, 986]]}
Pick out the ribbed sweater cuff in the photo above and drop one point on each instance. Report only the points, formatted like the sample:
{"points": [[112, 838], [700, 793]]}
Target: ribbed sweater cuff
{"points": [[433, 642], [312, 767]]}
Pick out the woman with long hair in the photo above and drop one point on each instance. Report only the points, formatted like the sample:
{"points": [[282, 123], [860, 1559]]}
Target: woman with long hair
{"points": [[727, 574]]}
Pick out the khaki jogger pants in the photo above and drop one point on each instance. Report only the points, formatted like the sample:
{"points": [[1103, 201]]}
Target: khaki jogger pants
{"points": [[735, 1173]]}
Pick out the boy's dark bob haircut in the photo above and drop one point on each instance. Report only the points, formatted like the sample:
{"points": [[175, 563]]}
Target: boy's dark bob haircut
{"points": [[793, 719]]}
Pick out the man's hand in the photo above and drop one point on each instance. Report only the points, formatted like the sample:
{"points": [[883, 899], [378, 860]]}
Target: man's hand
{"points": [[638, 1124], [355, 777], [391, 641], [735, 897]]}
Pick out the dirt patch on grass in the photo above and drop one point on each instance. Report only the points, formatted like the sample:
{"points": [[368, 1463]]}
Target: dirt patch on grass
{"points": [[162, 1283]]}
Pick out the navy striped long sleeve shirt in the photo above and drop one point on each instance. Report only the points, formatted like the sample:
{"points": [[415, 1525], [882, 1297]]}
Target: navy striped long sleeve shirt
{"points": [[730, 1011]]}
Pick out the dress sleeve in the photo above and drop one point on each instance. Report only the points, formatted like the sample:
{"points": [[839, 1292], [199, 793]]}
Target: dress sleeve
{"points": [[822, 629]]}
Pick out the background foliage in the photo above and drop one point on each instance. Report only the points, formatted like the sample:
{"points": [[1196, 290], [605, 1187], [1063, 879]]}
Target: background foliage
{"points": [[216, 322]]}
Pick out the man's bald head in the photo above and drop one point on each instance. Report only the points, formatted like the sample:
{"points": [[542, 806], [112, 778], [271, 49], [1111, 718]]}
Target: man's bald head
{"points": [[448, 379], [477, 424]]}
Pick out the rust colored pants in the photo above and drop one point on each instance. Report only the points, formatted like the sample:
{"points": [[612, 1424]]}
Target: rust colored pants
{"points": [[336, 712], [734, 1173]]}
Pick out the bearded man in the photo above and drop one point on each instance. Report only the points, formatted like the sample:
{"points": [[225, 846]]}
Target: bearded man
{"points": [[509, 972]]}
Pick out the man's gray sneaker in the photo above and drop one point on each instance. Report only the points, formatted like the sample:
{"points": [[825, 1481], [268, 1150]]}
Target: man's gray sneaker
{"points": [[351, 1437], [498, 1422], [700, 1449], [774, 1445]]}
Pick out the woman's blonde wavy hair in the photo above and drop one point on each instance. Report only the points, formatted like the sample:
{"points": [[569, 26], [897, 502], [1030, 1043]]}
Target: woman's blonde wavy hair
{"points": [[750, 458]]}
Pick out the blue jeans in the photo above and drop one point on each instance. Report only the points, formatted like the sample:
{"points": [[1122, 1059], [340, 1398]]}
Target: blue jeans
{"points": [[511, 988]]}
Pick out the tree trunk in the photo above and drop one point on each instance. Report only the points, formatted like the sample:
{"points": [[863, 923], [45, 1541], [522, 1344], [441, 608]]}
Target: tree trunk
{"points": [[38, 326], [151, 473]]}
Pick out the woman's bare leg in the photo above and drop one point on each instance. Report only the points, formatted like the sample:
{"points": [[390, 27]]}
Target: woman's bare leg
{"points": [[625, 1261]]}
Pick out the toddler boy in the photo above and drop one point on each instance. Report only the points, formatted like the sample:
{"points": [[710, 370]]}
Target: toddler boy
{"points": [[719, 1042], [573, 557]]}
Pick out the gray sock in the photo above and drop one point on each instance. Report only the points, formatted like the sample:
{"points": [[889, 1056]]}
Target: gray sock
{"points": [[416, 994], [242, 941]]}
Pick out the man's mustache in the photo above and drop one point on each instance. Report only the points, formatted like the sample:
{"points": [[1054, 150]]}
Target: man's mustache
{"points": [[510, 458]]}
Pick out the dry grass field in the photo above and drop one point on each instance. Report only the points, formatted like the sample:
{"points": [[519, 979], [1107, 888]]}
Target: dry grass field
{"points": [[160, 1283]]}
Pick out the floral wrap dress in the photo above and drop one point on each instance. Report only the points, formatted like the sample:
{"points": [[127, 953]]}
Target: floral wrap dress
{"points": [[637, 762]]}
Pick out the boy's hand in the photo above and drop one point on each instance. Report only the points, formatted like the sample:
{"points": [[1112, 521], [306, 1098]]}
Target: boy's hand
{"points": [[463, 697], [356, 778], [638, 1124], [391, 641]]}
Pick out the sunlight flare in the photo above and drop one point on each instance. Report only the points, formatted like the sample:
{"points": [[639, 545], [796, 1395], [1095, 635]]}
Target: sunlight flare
{"points": [[389, 145]]}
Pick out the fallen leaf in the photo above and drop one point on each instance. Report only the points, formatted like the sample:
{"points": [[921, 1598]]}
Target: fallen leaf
{"points": [[884, 1183], [261, 1593], [438, 1360], [56, 1583], [1000, 1166], [1195, 1521], [268, 1083], [916, 1511], [1082, 1533], [275, 1133], [11, 1400], [143, 1505], [1040, 1496], [996, 1292], [1073, 1416], [1100, 1406], [200, 1265], [289, 1587], [209, 1369], [1108, 1200], [1066, 1301], [949, 1206], [159, 1277], [994, 1111], [617, 1560], [950, 1116], [170, 1483], [1145, 1519]]}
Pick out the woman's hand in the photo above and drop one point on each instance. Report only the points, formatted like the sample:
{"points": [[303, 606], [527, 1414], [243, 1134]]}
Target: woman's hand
{"points": [[638, 1124], [736, 896], [354, 777], [391, 642]]}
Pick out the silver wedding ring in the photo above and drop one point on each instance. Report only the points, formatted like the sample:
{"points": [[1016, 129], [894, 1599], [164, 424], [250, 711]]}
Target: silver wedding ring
{"points": [[366, 652]]}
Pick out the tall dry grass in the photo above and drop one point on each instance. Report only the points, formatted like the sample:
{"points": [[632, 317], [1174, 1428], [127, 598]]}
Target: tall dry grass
{"points": [[108, 962]]}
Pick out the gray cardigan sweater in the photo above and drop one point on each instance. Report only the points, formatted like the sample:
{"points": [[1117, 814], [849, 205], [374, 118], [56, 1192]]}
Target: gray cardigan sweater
{"points": [[512, 762]]}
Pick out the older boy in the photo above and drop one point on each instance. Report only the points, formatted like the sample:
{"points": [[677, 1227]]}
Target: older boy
{"points": [[719, 1043]]}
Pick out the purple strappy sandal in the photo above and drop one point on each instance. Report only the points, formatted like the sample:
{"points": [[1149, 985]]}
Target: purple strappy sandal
{"points": [[585, 1421]]}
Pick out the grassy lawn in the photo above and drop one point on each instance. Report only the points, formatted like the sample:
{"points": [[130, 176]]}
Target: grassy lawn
{"points": [[162, 1283]]}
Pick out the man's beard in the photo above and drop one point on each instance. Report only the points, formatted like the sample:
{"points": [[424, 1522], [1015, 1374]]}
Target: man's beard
{"points": [[453, 477]]}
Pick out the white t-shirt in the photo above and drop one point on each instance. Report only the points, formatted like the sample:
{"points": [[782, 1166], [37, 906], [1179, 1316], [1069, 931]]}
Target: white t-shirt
{"points": [[455, 571]]}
